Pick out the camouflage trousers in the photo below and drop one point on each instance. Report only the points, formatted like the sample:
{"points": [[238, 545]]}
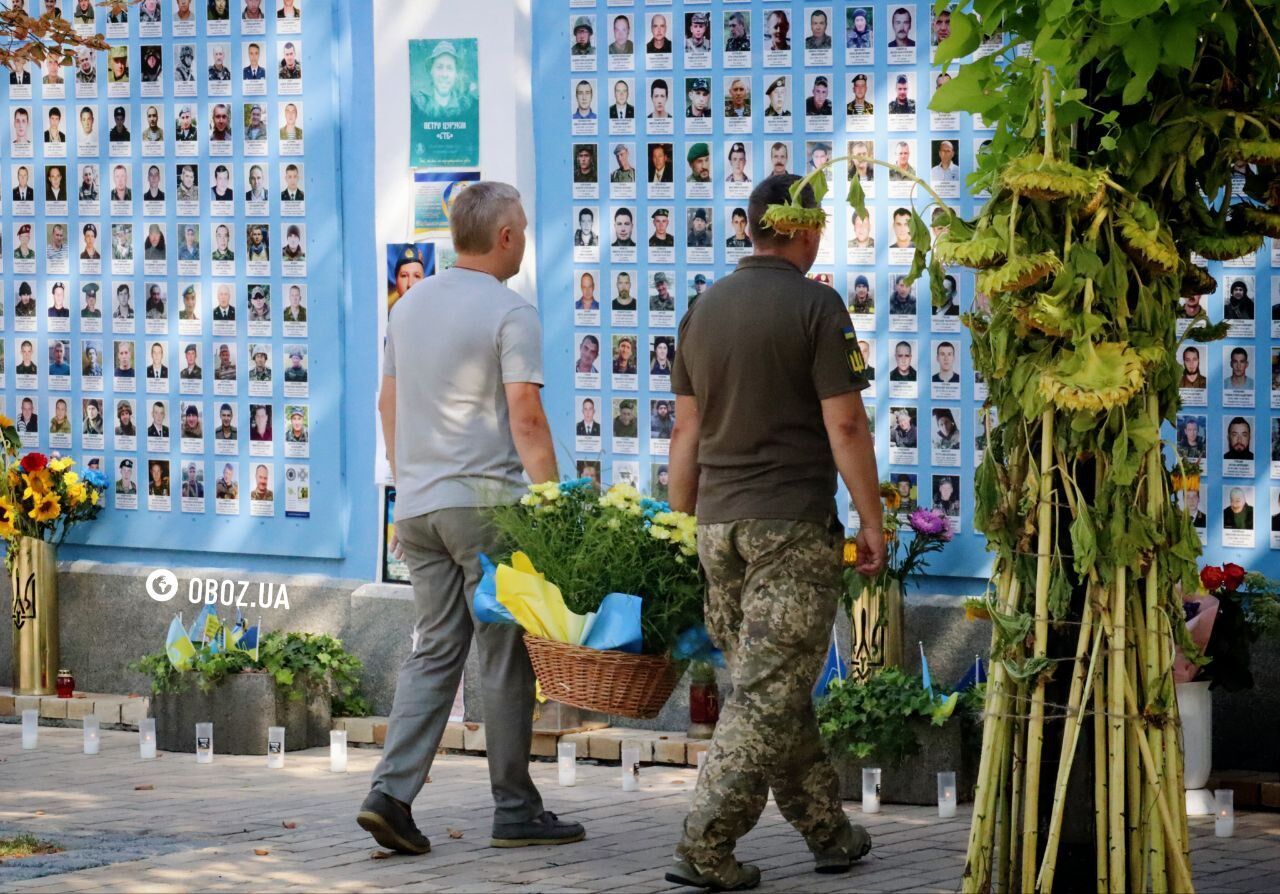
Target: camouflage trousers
{"points": [[773, 589]]}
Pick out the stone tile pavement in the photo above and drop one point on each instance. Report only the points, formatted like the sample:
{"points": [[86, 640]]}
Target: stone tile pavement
{"points": [[222, 813]]}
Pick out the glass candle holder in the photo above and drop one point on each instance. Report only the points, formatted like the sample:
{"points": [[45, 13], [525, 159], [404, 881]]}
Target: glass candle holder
{"points": [[567, 762], [1224, 812], [871, 790], [30, 728], [946, 795], [204, 743], [631, 766], [337, 751], [275, 748], [147, 738], [92, 734]]}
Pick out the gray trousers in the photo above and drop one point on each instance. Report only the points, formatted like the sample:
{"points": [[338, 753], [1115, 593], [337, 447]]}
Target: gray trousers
{"points": [[441, 550]]}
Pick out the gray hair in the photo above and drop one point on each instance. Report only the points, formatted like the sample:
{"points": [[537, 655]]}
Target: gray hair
{"points": [[477, 214]]}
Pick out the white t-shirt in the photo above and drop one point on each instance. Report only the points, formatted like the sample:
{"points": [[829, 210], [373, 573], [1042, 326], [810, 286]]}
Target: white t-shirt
{"points": [[453, 342]]}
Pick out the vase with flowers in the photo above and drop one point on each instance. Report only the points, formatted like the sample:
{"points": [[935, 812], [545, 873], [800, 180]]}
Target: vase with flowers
{"points": [[41, 500], [876, 603]]}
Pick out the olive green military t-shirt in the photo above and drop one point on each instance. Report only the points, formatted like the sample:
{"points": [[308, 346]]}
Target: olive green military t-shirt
{"points": [[760, 351]]}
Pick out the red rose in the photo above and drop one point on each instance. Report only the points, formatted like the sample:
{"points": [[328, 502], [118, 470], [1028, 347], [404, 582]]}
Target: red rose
{"points": [[1211, 577], [1233, 576], [34, 462]]}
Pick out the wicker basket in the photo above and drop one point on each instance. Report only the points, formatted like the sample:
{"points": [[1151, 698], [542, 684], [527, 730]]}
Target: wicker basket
{"points": [[619, 683]]}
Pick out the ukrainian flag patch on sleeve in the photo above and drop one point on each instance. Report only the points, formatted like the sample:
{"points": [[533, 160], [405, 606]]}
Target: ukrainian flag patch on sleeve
{"points": [[857, 363]]}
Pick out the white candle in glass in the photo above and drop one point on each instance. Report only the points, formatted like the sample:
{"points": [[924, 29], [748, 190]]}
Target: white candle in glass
{"points": [[30, 728], [871, 790], [275, 748], [567, 762], [92, 737], [337, 751], [147, 738], [204, 743], [1224, 812], [946, 795], [631, 766]]}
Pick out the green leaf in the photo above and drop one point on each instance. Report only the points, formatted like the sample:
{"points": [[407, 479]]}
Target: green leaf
{"points": [[857, 197], [966, 36], [819, 186], [970, 90], [1142, 53]]}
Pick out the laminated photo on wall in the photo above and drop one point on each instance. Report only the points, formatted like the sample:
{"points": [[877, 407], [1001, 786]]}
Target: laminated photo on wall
{"points": [[93, 426], [191, 375], [903, 157], [661, 241], [191, 431], [59, 423], [297, 490], [586, 304], [902, 304], [124, 378], [1238, 305], [698, 40], [126, 485], [739, 179], [622, 245], [776, 37], [191, 489], [1192, 440], [658, 48], [407, 264], [941, 120], [226, 434], [444, 87], [622, 109], [586, 236], [586, 368], [944, 438], [904, 436], [262, 497], [944, 384], [394, 570], [901, 38], [587, 437], [1238, 458], [261, 439], [224, 369], [158, 432], [157, 370], [433, 195], [297, 371], [621, 50], [946, 316], [297, 433], [662, 417], [699, 172], [1238, 379], [1237, 516], [625, 426], [1193, 386], [660, 120], [777, 110], [623, 305], [586, 171], [903, 378], [625, 364], [226, 490], [860, 153], [662, 356], [737, 104], [946, 499], [622, 171], [699, 236]]}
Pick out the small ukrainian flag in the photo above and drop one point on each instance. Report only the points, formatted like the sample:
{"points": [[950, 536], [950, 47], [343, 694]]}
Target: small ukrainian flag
{"points": [[178, 645]]}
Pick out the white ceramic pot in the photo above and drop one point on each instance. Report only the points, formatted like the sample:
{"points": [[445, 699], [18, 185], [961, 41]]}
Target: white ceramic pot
{"points": [[1195, 705]]}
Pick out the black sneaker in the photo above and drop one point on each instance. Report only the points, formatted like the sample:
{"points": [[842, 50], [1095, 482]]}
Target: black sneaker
{"points": [[391, 824], [546, 829]]}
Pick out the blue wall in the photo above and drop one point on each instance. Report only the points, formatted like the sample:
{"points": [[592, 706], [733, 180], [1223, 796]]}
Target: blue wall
{"points": [[350, 518]]}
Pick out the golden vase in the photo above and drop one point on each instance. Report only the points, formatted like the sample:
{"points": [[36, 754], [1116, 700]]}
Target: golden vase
{"points": [[35, 618], [877, 634]]}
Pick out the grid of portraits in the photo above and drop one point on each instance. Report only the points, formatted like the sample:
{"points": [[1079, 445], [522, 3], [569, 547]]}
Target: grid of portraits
{"points": [[671, 112], [153, 242]]}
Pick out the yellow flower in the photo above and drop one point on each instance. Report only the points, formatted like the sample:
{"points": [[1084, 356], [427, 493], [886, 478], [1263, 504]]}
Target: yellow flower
{"points": [[5, 421], [613, 524], [892, 499], [7, 529], [47, 508], [528, 500], [688, 551], [71, 479], [38, 483], [75, 494], [15, 478], [61, 465], [93, 496], [850, 552], [659, 533]]}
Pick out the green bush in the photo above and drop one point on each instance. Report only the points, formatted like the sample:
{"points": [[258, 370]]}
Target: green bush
{"points": [[297, 662], [873, 719]]}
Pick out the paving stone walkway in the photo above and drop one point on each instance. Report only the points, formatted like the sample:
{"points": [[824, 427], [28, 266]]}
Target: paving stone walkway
{"points": [[218, 816]]}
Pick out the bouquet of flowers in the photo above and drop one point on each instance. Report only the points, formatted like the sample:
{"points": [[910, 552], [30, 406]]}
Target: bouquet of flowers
{"points": [[906, 557], [590, 545], [1236, 608], [42, 497]]}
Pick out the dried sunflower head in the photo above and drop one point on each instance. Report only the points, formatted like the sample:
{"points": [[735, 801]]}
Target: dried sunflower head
{"points": [[1093, 377], [1197, 281], [1018, 273], [1258, 220], [1223, 247], [1049, 314], [788, 219], [1035, 176], [985, 248], [1150, 247], [1254, 152]]}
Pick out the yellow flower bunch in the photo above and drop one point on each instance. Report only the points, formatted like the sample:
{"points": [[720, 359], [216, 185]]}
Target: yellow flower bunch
{"points": [[678, 527], [623, 497], [542, 496]]}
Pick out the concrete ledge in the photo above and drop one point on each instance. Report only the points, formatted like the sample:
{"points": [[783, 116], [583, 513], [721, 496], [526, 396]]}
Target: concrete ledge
{"points": [[112, 711]]}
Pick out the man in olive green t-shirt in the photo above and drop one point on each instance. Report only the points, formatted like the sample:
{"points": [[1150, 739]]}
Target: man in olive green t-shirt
{"points": [[768, 410]]}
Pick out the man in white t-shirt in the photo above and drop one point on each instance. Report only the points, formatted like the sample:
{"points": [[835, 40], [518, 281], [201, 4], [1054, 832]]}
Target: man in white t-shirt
{"points": [[456, 445]]}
